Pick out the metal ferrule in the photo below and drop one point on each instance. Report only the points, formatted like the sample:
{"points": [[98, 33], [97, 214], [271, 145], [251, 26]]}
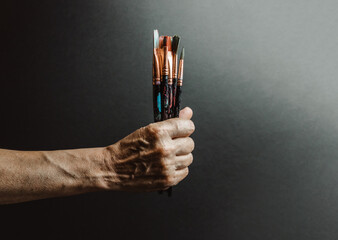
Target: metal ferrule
{"points": [[159, 53], [157, 81], [165, 70], [180, 73], [156, 69], [170, 61], [175, 65]]}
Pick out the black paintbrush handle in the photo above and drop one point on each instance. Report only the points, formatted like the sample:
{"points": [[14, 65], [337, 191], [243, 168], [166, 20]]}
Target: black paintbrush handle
{"points": [[170, 107], [164, 101], [178, 101], [170, 115], [157, 102], [165, 98], [175, 110], [174, 97]]}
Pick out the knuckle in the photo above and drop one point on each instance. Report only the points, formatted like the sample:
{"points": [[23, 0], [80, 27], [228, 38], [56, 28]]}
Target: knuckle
{"points": [[168, 176], [174, 124], [185, 126], [166, 150], [164, 168], [191, 159], [191, 143], [153, 130], [192, 126], [171, 181]]}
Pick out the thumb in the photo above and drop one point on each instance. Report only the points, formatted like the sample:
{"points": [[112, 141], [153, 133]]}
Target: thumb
{"points": [[186, 113]]}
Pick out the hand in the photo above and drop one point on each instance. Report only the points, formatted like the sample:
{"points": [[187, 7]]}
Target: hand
{"points": [[152, 158]]}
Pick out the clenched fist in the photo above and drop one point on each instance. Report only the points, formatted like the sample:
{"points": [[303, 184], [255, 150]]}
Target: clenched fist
{"points": [[152, 158]]}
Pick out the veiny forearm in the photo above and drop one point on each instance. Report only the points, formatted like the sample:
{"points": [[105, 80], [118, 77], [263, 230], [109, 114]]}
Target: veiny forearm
{"points": [[151, 158], [30, 175]]}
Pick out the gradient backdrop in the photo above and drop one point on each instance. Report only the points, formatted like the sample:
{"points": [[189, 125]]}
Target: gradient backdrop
{"points": [[261, 77]]}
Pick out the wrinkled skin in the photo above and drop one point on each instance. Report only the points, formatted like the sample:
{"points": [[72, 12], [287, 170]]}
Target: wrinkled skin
{"points": [[154, 157]]}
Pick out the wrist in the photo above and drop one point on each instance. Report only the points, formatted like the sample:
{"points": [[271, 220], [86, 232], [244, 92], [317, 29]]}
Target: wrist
{"points": [[99, 170], [109, 179], [84, 168]]}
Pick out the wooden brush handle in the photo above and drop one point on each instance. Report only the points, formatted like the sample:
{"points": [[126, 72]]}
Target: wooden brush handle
{"points": [[170, 107], [165, 98], [178, 101], [157, 102], [174, 90]]}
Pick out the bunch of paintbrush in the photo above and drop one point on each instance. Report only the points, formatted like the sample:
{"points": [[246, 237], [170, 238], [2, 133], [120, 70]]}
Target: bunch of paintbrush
{"points": [[167, 84]]}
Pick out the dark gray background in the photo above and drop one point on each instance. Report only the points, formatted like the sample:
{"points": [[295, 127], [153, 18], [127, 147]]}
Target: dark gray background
{"points": [[261, 77]]}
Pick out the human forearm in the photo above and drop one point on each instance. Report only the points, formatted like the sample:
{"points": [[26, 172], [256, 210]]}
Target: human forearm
{"points": [[152, 158], [30, 175]]}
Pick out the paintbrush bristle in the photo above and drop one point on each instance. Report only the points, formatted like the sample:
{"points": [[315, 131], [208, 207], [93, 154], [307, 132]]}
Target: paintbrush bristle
{"points": [[182, 54], [164, 41], [174, 44], [156, 39]]}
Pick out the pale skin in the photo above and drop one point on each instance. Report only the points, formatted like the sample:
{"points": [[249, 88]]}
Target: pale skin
{"points": [[152, 158]]}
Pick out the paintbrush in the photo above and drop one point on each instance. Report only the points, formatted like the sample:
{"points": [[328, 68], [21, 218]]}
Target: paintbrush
{"points": [[174, 47], [164, 81], [173, 85], [179, 85], [170, 79], [156, 80]]}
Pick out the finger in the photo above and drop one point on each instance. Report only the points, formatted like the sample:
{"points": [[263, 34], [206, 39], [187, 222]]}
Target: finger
{"points": [[177, 127], [183, 146], [180, 175], [146, 184], [177, 177], [183, 161], [186, 113]]}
